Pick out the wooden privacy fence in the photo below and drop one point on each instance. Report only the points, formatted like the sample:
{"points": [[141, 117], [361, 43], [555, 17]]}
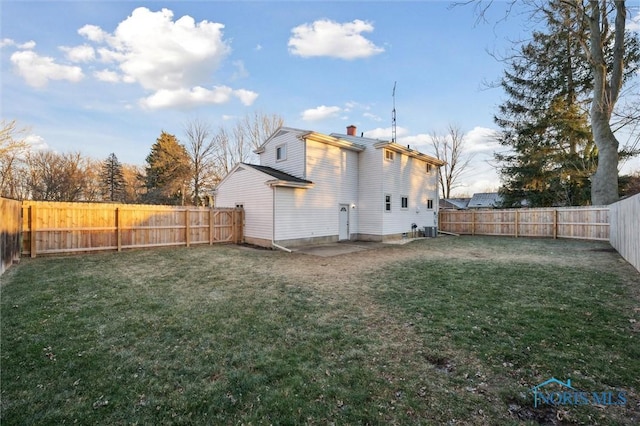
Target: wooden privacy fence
{"points": [[58, 227], [625, 229], [9, 232], [588, 223]]}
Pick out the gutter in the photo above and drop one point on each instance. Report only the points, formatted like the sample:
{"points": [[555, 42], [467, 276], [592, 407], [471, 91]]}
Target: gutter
{"points": [[279, 247], [273, 225]]}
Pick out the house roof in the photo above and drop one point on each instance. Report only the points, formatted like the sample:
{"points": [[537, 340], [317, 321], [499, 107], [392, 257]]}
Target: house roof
{"points": [[401, 149], [484, 200], [316, 136], [280, 178], [277, 174]]}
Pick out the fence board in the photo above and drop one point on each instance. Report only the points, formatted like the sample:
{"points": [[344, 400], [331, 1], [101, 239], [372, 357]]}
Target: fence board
{"points": [[625, 229], [59, 227], [10, 230], [590, 223]]}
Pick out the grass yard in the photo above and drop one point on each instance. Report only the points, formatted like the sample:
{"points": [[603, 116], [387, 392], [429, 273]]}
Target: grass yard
{"points": [[444, 331]]}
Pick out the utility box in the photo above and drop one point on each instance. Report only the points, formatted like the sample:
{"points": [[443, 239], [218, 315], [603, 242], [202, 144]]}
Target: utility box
{"points": [[431, 231]]}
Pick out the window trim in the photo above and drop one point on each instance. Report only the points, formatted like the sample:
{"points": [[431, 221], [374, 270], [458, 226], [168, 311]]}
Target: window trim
{"points": [[404, 202], [429, 167], [283, 150], [429, 204], [389, 155], [387, 203]]}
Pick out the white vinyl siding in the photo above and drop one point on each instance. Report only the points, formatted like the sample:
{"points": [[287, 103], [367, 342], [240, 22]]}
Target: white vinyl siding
{"points": [[293, 149], [314, 212], [406, 176], [247, 186], [371, 206]]}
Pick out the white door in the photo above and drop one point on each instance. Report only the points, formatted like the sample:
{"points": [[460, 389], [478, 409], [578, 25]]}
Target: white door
{"points": [[343, 226]]}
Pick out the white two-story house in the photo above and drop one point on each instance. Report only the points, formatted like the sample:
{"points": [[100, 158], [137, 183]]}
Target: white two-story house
{"points": [[312, 188]]}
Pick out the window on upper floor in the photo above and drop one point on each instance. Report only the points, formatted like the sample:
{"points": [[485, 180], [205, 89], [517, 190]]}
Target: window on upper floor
{"points": [[404, 203], [429, 168], [281, 152], [430, 204], [387, 203], [388, 155]]}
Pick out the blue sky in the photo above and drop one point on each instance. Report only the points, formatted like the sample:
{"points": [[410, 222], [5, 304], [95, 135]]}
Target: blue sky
{"points": [[107, 76]]}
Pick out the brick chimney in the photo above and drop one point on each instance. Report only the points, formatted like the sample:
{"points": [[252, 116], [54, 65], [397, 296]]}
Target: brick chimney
{"points": [[351, 130]]}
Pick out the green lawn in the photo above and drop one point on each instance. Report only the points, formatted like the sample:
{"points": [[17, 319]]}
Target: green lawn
{"points": [[451, 330]]}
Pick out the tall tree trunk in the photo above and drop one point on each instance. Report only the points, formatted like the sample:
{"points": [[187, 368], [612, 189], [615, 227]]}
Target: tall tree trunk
{"points": [[606, 88]]}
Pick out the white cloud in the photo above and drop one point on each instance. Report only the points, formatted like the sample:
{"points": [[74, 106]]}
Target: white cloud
{"points": [[320, 113], [84, 53], [93, 33], [386, 133], [247, 97], [333, 39], [184, 98], [107, 76], [258, 47], [173, 60], [36, 142], [241, 71], [10, 42], [38, 70], [159, 53], [633, 24], [481, 139], [372, 116]]}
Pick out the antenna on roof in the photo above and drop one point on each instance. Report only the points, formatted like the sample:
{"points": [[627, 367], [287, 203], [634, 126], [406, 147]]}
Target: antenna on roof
{"points": [[393, 114]]}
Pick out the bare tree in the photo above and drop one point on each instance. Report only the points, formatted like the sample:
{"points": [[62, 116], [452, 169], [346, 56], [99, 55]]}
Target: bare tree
{"points": [[237, 145], [13, 149], [56, 177], [201, 149], [450, 148]]}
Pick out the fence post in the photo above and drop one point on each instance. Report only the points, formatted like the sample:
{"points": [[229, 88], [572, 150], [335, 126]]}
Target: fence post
{"points": [[473, 222], [119, 228], [517, 217], [210, 226], [555, 224], [187, 229], [32, 230]]}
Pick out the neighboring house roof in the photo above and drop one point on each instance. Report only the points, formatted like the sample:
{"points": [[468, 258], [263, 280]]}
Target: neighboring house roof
{"points": [[454, 203], [484, 200]]}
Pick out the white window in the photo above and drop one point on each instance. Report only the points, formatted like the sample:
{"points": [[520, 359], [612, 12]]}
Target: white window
{"points": [[387, 203], [429, 167], [281, 152], [430, 204], [404, 203], [388, 155]]}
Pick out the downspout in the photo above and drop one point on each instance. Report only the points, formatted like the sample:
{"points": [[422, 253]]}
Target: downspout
{"points": [[273, 224]]}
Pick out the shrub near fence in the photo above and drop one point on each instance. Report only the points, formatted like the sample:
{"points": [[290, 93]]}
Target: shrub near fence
{"points": [[588, 223], [58, 227], [9, 232]]}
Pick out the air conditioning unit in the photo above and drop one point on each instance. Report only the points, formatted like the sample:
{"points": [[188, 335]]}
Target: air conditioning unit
{"points": [[431, 231]]}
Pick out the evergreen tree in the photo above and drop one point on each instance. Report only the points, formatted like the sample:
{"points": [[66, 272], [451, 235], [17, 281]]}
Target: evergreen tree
{"points": [[168, 171], [112, 179], [545, 122]]}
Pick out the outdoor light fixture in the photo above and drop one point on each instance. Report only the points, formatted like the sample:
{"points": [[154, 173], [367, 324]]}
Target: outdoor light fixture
{"points": [[353, 206]]}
